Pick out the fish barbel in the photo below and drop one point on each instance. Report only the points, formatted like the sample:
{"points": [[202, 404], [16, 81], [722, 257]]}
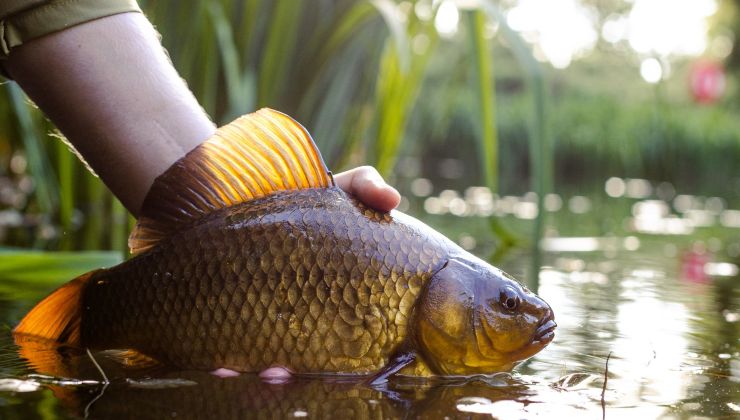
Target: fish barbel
{"points": [[249, 257]]}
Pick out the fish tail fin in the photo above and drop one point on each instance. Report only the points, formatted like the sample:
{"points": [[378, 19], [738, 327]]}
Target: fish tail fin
{"points": [[58, 316]]}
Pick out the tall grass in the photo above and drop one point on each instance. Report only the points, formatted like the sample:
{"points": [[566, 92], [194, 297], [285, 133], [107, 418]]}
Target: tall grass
{"points": [[539, 148], [356, 74], [400, 76]]}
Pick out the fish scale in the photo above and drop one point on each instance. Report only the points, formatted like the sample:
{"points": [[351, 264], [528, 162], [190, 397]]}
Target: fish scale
{"points": [[311, 280], [242, 265]]}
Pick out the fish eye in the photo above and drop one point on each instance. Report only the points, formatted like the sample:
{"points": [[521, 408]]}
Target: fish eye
{"points": [[509, 299]]}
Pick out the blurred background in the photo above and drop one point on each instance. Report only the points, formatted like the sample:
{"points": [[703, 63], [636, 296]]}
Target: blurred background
{"points": [[590, 148], [501, 122]]}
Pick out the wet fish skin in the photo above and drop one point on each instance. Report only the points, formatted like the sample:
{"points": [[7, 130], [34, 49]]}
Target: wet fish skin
{"points": [[249, 257], [311, 279]]}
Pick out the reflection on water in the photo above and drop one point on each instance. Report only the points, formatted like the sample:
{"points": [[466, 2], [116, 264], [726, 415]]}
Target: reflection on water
{"points": [[665, 308], [673, 343]]}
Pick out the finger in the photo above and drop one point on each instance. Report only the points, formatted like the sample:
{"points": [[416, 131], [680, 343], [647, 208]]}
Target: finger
{"points": [[366, 183]]}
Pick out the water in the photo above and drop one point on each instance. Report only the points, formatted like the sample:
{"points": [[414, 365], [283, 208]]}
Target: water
{"points": [[638, 301], [673, 342]]}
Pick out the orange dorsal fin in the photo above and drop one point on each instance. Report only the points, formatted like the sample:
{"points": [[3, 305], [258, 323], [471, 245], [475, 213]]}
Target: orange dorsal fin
{"points": [[58, 316], [254, 156]]}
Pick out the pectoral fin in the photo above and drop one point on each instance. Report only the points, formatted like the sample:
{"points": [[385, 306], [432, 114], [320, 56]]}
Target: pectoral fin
{"points": [[397, 363], [131, 358]]}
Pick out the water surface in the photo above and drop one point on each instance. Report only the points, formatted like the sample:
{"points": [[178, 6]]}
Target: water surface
{"points": [[673, 341], [644, 288]]}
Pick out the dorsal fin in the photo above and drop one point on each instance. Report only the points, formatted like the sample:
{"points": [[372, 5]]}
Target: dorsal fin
{"points": [[254, 156]]}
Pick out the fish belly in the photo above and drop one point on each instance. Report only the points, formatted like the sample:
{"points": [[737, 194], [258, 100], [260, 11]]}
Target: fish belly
{"points": [[312, 280]]}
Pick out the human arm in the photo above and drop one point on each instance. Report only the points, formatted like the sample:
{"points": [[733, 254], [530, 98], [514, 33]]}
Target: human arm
{"points": [[110, 88]]}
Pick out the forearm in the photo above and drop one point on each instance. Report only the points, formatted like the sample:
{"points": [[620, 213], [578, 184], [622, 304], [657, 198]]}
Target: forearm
{"points": [[109, 87]]}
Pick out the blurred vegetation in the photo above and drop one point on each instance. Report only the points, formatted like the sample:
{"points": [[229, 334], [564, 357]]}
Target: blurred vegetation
{"points": [[374, 82]]}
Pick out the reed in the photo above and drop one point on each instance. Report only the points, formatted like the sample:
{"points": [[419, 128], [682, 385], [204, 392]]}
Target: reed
{"points": [[539, 144], [354, 73], [400, 76]]}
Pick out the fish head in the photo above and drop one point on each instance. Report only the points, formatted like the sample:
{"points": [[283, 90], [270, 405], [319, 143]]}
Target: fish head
{"points": [[475, 319]]}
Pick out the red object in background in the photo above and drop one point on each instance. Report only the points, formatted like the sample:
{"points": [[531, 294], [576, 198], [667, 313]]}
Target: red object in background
{"points": [[707, 79], [692, 266]]}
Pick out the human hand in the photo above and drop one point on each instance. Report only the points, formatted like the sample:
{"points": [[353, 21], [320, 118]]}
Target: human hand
{"points": [[366, 183]]}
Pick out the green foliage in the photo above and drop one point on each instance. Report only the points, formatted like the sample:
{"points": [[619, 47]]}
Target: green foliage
{"points": [[397, 88], [45, 270], [372, 81]]}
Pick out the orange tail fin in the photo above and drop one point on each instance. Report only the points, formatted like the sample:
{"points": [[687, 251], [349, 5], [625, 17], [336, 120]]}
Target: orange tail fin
{"points": [[58, 316]]}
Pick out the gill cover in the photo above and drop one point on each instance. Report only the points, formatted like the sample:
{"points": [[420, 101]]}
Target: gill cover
{"points": [[445, 317], [254, 156]]}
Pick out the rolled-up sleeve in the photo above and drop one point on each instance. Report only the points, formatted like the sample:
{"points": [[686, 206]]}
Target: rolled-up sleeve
{"points": [[24, 20]]}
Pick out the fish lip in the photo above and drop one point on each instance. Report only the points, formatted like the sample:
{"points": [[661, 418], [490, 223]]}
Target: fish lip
{"points": [[546, 328]]}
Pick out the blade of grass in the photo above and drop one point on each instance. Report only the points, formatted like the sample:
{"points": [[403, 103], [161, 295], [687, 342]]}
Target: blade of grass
{"points": [[65, 171], [279, 47], [119, 228], [51, 268], [396, 93], [541, 157], [239, 91], [394, 19], [46, 188], [93, 230], [333, 109], [486, 95], [210, 65]]}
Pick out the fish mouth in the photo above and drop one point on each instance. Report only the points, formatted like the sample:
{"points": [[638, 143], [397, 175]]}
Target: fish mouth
{"points": [[546, 328]]}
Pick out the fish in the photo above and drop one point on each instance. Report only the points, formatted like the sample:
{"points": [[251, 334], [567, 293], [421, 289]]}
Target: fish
{"points": [[248, 256]]}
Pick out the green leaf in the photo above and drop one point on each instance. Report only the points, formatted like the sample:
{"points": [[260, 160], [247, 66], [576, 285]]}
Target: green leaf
{"points": [[51, 268]]}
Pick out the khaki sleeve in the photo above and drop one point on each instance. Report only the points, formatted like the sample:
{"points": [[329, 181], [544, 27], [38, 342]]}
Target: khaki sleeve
{"points": [[24, 20]]}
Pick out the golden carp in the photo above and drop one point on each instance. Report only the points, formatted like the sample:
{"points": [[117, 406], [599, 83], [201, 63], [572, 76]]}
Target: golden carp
{"points": [[249, 257]]}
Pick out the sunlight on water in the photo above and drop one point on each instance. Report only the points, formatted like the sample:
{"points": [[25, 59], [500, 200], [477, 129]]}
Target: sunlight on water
{"points": [[665, 314], [665, 358]]}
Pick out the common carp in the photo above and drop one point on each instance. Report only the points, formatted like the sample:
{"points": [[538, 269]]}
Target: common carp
{"points": [[248, 256]]}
